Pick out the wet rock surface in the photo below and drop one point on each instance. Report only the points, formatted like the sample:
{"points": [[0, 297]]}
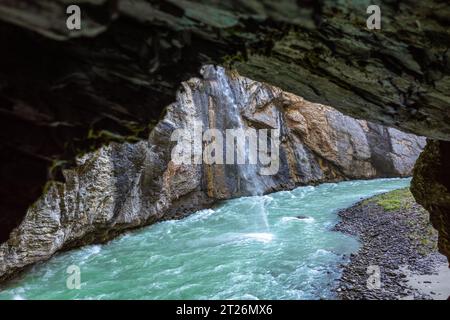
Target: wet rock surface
{"points": [[396, 239], [431, 188]]}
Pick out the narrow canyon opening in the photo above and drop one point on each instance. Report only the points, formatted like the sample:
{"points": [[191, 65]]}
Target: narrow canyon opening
{"points": [[40, 152], [125, 185], [86, 116]]}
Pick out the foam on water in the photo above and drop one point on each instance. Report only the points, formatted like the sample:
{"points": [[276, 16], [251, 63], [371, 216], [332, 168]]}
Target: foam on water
{"points": [[260, 236], [295, 219], [229, 252]]}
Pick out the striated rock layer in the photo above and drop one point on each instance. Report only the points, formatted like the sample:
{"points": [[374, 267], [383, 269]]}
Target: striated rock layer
{"points": [[321, 50], [123, 186]]}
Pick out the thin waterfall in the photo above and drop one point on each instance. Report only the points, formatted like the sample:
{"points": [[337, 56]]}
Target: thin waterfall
{"points": [[247, 172]]}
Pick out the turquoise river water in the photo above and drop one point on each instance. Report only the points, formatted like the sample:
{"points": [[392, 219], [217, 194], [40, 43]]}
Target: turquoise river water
{"points": [[247, 248]]}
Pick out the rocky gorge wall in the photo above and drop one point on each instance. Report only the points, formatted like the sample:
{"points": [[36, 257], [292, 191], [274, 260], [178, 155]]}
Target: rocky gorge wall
{"points": [[59, 89], [431, 188], [123, 186]]}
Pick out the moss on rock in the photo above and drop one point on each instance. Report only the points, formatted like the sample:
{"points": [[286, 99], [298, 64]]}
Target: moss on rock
{"points": [[395, 200]]}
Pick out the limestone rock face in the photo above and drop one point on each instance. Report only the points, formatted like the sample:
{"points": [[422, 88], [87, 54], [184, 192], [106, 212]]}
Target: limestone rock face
{"points": [[123, 186], [352, 148]]}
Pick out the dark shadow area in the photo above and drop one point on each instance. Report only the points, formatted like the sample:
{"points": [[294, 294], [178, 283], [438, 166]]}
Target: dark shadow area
{"points": [[62, 99]]}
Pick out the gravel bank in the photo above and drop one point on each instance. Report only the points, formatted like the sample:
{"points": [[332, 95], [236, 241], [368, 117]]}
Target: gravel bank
{"points": [[398, 240]]}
